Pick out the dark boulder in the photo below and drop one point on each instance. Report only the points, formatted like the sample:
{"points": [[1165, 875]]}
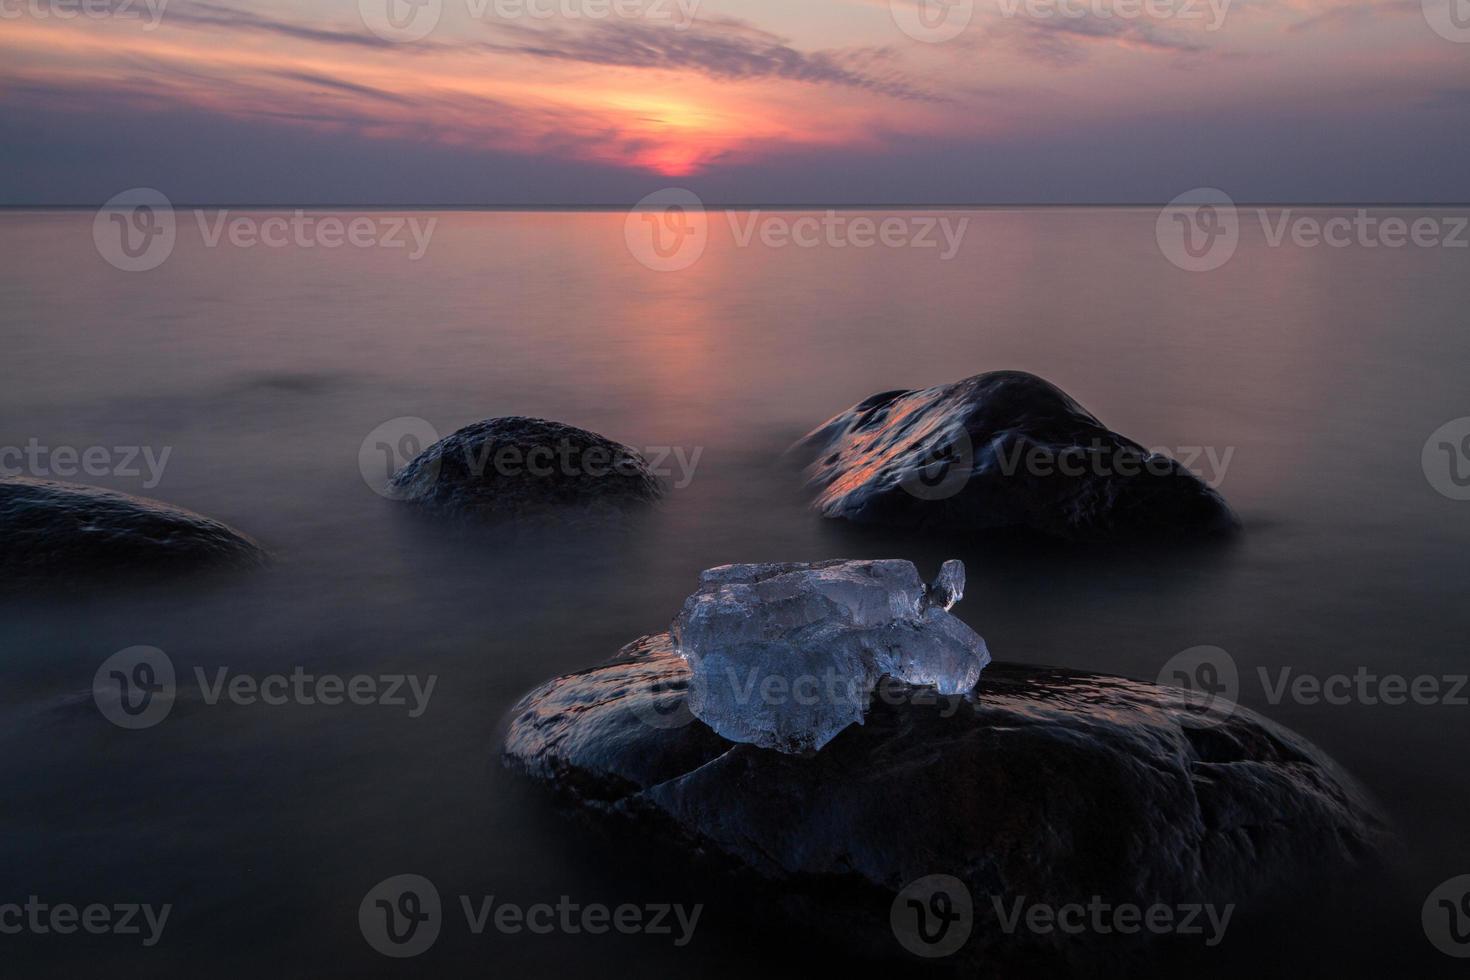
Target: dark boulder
{"points": [[1044, 785], [1002, 450], [524, 468], [54, 532]]}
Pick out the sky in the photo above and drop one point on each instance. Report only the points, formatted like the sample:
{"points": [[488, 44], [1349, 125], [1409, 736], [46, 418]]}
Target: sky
{"points": [[580, 102]]}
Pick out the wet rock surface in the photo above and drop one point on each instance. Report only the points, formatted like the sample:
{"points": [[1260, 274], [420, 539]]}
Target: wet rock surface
{"points": [[1005, 449], [516, 468], [54, 532], [1047, 785], [786, 655]]}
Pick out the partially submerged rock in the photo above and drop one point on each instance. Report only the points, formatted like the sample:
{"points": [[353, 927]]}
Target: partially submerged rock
{"points": [[51, 532], [1049, 786], [517, 467], [1002, 450], [787, 655]]}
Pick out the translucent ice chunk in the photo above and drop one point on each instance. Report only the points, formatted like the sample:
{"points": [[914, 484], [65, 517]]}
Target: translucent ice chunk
{"points": [[786, 655]]}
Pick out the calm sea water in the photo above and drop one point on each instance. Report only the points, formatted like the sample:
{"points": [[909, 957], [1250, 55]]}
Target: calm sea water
{"points": [[1314, 374]]}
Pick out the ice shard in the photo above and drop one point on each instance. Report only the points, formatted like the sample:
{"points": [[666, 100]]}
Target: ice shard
{"points": [[785, 656]]}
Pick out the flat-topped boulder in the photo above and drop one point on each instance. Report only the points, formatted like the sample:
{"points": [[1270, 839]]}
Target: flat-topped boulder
{"points": [[525, 468], [1043, 785], [54, 532], [1002, 450]]}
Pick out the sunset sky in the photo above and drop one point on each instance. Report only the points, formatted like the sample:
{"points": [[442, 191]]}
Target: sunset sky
{"points": [[747, 101]]}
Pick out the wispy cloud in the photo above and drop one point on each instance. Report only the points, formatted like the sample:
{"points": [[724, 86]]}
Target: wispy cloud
{"points": [[717, 48]]}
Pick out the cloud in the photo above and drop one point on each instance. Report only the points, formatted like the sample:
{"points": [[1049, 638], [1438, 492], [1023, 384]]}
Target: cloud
{"points": [[1354, 14], [717, 48], [201, 14], [1063, 39]]}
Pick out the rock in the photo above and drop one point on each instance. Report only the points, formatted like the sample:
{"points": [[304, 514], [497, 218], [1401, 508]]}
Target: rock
{"points": [[52, 532], [1046, 785], [787, 655], [525, 468], [1002, 450]]}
